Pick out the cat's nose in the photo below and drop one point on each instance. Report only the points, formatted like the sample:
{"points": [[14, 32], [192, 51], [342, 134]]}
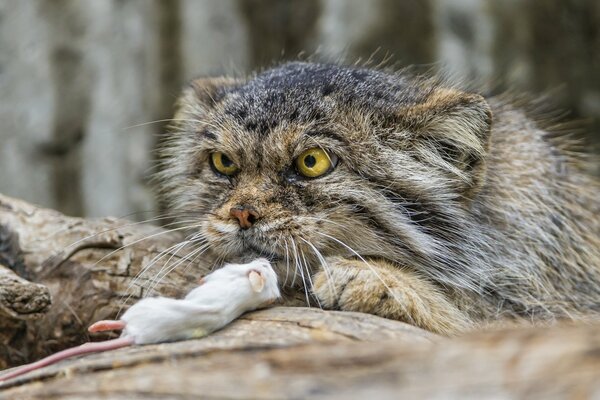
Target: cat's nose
{"points": [[246, 215]]}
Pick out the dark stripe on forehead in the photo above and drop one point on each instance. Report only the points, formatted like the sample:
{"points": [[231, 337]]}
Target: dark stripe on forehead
{"points": [[207, 134], [261, 126]]}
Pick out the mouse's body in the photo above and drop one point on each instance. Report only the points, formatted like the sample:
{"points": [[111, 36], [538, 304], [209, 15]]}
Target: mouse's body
{"points": [[221, 297]]}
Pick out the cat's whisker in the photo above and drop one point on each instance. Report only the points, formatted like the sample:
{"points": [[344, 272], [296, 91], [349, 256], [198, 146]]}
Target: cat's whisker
{"points": [[158, 121], [215, 125], [132, 224], [145, 238], [325, 267], [181, 246], [302, 266], [146, 268], [156, 259], [139, 275], [390, 292], [159, 275], [287, 263], [199, 251], [219, 262], [191, 262], [299, 269], [308, 276], [276, 246], [294, 273], [162, 253], [129, 224]]}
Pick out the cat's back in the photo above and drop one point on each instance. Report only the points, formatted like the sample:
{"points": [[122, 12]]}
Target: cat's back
{"points": [[542, 209]]}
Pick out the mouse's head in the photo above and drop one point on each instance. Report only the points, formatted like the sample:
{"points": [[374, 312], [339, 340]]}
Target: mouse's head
{"points": [[292, 163], [261, 278]]}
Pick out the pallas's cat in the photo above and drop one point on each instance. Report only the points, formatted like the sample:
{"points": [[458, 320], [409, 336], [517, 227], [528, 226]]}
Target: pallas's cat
{"points": [[387, 194]]}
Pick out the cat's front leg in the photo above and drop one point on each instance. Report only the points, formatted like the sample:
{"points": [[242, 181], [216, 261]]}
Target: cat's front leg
{"points": [[380, 288]]}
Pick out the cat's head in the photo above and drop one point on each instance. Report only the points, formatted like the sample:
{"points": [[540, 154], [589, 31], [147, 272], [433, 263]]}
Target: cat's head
{"points": [[309, 160]]}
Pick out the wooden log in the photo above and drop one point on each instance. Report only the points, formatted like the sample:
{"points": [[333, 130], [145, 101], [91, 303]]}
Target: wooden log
{"points": [[92, 269], [282, 352], [82, 266]]}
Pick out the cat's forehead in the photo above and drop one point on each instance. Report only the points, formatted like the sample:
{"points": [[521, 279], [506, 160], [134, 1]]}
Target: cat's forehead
{"points": [[305, 93], [283, 142]]}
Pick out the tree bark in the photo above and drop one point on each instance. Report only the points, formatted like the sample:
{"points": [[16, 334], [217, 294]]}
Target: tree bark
{"points": [[59, 274]]}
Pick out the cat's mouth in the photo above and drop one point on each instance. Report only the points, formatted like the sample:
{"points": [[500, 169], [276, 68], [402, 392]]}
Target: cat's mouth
{"points": [[259, 251], [244, 245]]}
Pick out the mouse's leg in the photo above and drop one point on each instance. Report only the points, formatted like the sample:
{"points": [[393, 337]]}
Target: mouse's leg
{"points": [[389, 291], [107, 325]]}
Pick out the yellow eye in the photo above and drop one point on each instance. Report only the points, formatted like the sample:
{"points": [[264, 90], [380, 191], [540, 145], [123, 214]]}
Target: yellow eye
{"points": [[315, 162], [222, 164]]}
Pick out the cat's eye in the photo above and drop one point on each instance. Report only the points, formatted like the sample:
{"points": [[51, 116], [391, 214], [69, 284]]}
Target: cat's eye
{"points": [[222, 164], [315, 162]]}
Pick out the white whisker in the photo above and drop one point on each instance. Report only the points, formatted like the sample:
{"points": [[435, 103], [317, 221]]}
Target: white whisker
{"points": [[390, 292], [145, 238], [297, 262], [309, 277], [200, 250], [324, 265]]}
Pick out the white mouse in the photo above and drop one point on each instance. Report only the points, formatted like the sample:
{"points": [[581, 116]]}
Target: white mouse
{"points": [[222, 296]]}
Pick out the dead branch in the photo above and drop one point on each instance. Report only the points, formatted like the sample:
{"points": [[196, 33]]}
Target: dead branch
{"points": [[283, 352]]}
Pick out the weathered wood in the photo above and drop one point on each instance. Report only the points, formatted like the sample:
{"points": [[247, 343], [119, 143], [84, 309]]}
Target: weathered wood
{"points": [[301, 353], [19, 298], [92, 269], [73, 259], [283, 352]]}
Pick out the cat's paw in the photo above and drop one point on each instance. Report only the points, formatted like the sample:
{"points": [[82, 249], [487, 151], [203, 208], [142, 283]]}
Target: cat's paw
{"points": [[351, 285], [388, 291]]}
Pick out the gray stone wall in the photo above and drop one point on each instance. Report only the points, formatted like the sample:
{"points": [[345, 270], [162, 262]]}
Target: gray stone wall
{"points": [[83, 80]]}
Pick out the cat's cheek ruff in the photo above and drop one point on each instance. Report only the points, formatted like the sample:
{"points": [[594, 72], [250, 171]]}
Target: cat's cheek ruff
{"points": [[224, 228]]}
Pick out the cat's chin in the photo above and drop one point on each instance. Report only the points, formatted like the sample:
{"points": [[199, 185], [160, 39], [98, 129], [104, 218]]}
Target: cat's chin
{"points": [[250, 251], [251, 256]]}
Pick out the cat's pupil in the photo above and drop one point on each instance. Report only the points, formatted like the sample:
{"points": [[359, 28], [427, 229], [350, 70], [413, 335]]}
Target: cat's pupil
{"points": [[310, 161], [226, 161]]}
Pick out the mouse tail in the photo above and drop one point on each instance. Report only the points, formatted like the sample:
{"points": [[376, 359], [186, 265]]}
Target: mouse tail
{"points": [[86, 348]]}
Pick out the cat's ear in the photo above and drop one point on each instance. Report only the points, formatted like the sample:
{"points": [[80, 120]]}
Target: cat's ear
{"points": [[202, 94], [451, 130]]}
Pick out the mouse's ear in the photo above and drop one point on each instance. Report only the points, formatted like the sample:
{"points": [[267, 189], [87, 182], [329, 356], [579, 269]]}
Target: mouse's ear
{"points": [[257, 281]]}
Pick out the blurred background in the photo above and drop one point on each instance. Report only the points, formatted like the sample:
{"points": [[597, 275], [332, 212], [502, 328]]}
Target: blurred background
{"points": [[82, 80]]}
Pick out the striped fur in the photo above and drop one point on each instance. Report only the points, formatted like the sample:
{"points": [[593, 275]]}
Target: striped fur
{"points": [[446, 210]]}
